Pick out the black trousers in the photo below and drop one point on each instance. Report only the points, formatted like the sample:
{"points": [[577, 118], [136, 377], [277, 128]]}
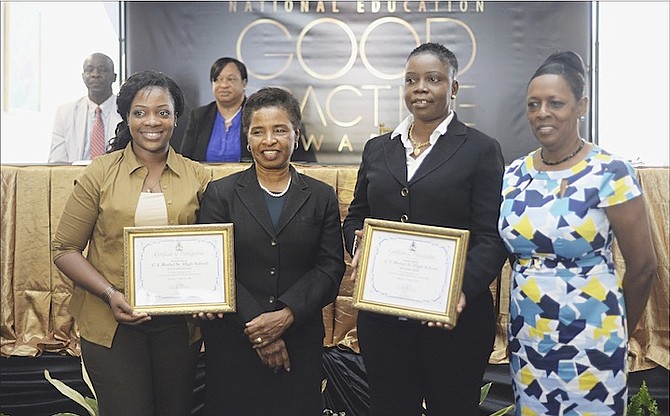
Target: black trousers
{"points": [[148, 371], [237, 383], [408, 362]]}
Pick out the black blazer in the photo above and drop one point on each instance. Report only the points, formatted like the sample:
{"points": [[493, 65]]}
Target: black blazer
{"points": [[299, 264], [199, 129], [457, 185]]}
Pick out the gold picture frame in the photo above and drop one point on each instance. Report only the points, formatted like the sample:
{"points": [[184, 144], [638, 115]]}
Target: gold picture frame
{"points": [[180, 269], [411, 270]]}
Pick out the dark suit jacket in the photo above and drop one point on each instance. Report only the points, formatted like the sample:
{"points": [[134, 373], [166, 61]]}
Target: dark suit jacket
{"points": [[199, 129], [299, 264], [457, 185]]}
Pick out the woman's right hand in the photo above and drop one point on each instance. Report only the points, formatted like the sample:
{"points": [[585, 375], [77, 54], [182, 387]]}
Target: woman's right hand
{"points": [[354, 261], [123, 313]]}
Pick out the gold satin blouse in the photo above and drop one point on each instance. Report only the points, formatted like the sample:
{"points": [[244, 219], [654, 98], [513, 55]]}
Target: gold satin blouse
{"points": [[103, 201]]}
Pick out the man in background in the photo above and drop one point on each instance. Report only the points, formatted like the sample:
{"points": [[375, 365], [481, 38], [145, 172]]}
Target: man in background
{"points": [[83, 128]]}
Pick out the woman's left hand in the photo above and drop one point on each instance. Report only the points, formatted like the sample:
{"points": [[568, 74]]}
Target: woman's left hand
{"points": [[459, 309], [124, 313], [268, 327]]}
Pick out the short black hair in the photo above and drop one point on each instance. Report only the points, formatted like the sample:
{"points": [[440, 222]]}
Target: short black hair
{"points": [[271, 97], [445, 56], [218, 65]]}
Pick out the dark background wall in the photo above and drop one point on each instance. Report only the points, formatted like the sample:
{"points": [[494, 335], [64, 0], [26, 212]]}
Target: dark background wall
{"points": [[344, 60]]}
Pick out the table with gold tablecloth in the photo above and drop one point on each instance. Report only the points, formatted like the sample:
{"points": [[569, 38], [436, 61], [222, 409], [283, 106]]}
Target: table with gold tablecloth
{"points": [[35, 293]]}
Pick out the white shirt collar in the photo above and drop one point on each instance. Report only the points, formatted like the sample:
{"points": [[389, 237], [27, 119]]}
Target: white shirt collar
{"points": [[107, 106], [403, 130]]}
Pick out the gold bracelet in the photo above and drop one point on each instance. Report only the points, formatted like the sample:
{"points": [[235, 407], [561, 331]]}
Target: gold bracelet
{"points": [[106, 295]]}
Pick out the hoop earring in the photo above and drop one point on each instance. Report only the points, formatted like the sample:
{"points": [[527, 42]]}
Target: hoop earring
{"points": [[296, 144], [248, 148]]}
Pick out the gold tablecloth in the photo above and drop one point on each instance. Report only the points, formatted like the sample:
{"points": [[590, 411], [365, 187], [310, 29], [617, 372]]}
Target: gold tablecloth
{"points": [[35, 294]]}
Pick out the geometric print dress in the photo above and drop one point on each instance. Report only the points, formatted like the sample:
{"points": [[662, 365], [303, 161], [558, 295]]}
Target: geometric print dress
{"points": [[567, 333]]}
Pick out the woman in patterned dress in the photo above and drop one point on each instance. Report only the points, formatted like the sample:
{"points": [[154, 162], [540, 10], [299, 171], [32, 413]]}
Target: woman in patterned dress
{"points": [[561, 207]]}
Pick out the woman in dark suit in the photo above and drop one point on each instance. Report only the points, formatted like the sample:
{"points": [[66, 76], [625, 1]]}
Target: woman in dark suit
{"points": [[433, 170], [214, 131], [266, 358]]}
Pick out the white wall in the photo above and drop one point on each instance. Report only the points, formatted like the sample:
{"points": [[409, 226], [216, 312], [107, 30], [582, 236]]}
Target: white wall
{"points": [[70, 31], [633, 100]]}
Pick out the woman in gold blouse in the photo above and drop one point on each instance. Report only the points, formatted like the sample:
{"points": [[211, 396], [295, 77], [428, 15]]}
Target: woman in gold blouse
{"points": [[139, 364]]}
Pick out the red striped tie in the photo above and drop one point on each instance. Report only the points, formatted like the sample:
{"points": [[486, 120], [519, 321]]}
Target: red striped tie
{"points": [[98, 135]]}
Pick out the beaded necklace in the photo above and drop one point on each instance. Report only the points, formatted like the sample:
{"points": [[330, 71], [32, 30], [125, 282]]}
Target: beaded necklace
{"points": [[565, 159]]}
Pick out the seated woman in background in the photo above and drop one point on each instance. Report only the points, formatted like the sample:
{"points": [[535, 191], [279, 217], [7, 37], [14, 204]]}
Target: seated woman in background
{"points": [[139, 364], [214, 131], [265, 359], [562, 205]]}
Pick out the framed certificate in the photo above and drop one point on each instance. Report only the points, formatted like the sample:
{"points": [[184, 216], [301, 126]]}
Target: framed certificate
{"points": [[181, 269], [411, 270]]}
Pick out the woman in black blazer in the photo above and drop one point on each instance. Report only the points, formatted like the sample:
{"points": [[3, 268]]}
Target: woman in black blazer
{"points": [[432, 170], [265, 359], [214, 131]]}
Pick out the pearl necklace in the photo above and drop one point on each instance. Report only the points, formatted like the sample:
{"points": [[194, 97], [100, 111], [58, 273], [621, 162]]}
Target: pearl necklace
{"points": [[276, 194], [565, 159], [416, 145]]}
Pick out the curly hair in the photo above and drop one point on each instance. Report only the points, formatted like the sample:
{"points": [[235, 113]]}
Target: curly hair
{"points": [[133, 85]]}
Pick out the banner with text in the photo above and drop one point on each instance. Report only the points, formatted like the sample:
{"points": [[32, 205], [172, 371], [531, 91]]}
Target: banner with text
{"points": [[344, 60]]}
